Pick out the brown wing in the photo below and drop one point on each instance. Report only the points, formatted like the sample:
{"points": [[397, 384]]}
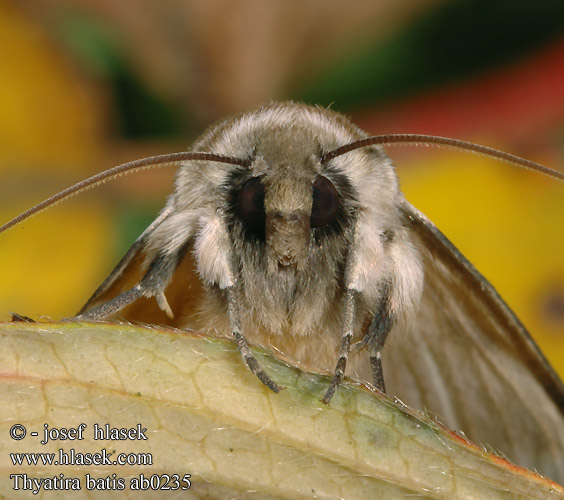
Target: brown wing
{"points": [[183, 293], [469, 360]]}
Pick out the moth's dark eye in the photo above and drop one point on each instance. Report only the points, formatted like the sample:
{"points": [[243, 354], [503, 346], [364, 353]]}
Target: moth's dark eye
{"points": [[325, 202], [250, 203]]}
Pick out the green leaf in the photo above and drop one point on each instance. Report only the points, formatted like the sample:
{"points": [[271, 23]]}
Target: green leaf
{"points": [[206, 415]]}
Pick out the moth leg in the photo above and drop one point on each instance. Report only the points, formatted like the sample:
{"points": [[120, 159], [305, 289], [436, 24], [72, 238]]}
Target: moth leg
{"points": [[152, 284], [376, 337], [20, 318], [244, 349], [127, 258], [348, 326], [112, 306]]}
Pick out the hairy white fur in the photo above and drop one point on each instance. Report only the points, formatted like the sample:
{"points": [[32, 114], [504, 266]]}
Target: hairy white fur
{"points": [[211, 248], [168, 237]]}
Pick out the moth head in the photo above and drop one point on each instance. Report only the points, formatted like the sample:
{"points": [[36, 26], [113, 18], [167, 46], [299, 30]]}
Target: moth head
{"points": [[283, 211], [287, 201]]}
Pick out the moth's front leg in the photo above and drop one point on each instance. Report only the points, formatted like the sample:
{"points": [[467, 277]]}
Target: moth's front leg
{"points": [[348, 330], [349, 313], [374, 339], [217, 267], [373, 282], [243, 346], [376, 336], [152, 284]]}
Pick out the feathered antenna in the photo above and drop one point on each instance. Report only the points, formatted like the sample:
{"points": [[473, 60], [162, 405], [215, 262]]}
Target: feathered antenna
{"points": [[171, 159], [445, 143], [131, 167]]}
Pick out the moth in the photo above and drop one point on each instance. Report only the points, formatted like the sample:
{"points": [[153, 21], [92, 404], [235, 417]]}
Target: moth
{"points": [[287, 229]]}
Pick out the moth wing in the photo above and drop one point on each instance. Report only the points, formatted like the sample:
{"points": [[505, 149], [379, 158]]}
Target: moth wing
{"points": [[182, 293], [469, 360]]}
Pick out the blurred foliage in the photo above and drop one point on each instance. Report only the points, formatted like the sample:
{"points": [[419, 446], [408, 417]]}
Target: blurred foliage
{"points": [[49, 116], [139, 111], [448, 44], [86, 85]]}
